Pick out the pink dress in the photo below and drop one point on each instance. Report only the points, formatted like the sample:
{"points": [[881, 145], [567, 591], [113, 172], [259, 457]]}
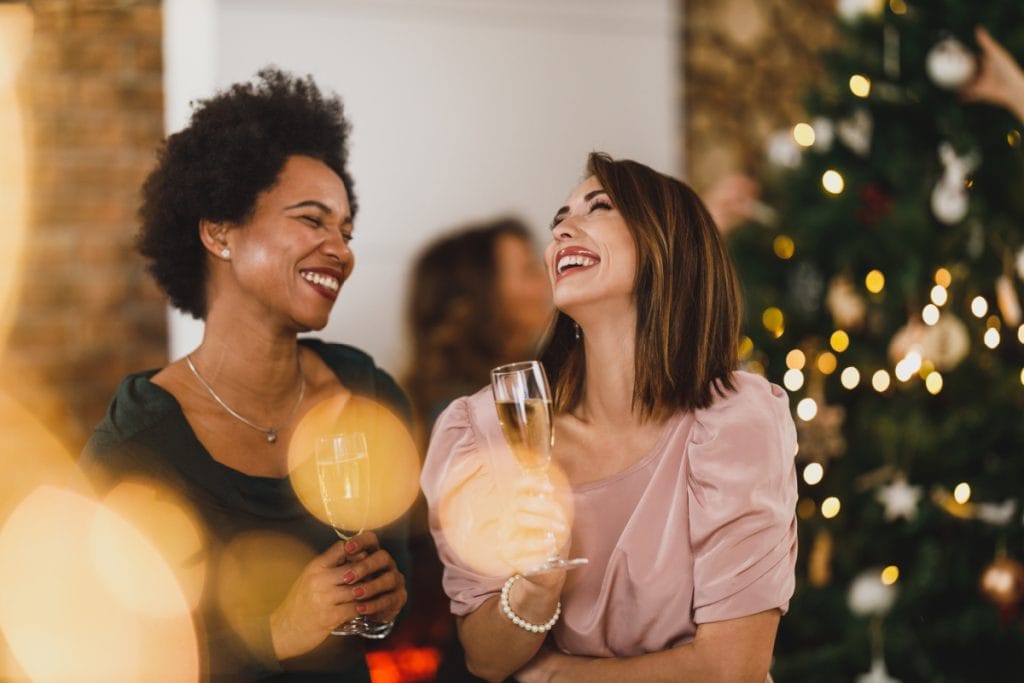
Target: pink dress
{"points": [[701, 529]]}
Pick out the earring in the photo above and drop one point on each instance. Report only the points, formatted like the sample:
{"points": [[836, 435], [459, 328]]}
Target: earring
{"points": [[225, 252], [576, 327]]}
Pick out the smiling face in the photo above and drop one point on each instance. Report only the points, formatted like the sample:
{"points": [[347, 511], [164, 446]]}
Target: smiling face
{"points": [[290, 257], [592, 256]]}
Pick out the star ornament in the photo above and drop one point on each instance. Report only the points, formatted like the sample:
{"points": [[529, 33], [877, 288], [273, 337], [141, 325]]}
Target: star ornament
{"points": [[900, 499]]}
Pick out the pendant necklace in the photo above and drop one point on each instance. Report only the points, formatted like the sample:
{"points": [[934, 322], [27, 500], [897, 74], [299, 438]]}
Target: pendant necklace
{"points": [[270, 432]]}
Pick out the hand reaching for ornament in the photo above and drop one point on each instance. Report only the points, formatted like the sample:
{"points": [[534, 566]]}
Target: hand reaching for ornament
{"points": [[1000, 80]]}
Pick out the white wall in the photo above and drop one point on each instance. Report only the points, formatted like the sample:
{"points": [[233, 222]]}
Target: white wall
{"points": [[461, 109]]}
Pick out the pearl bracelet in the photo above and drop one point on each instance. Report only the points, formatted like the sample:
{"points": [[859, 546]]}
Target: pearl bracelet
{"points": [[506, 607]]}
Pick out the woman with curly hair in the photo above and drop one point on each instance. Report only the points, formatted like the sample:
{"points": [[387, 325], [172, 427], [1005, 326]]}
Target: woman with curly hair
{"points": [[247, 221]]}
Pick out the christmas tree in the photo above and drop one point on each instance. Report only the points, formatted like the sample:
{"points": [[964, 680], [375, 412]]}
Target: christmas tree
{"points": [[882, 283]]}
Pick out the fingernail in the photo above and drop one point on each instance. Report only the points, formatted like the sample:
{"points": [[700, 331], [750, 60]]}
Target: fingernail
{"points": [[349, 577], [351, 547], [358, 592], [360, 608]]}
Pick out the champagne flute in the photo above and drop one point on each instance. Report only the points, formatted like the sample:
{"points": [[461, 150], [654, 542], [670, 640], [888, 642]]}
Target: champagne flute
{"points": [[343, 470], [523, 401]]}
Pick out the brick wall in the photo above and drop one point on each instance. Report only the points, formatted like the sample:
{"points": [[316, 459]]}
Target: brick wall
{"points": [[746, 66], [87, 313]]}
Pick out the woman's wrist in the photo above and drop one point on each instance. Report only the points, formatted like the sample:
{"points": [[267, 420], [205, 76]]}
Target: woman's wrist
{"points": [[530, 602]]}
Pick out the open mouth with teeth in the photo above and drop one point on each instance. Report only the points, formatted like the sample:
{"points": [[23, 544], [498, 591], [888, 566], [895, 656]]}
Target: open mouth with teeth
{"points": [[325, 283], [574, 260]]}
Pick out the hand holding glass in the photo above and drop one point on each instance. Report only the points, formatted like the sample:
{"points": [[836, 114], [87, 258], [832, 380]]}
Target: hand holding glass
{"points": [[523, 401], [343, 470]]}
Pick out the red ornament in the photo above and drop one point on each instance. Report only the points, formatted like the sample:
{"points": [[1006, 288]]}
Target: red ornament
{"points": [[875, 204]]}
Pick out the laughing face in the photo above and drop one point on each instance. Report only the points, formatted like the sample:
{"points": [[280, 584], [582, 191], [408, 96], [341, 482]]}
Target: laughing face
{"points": [[592, 255], [292, 255]]}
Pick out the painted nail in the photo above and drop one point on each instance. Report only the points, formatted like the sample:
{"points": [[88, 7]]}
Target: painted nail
{"points": [[349, 577], [358, 592], [351, 547], [360, 608]]}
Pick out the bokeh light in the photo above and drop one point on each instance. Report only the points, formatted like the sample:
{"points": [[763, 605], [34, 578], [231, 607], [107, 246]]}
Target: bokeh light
{"points": [[803, 133], [930, 315], [774, 322], [839, 341], [962, 492], [793, 379], [890, 575], [979, 306], [830, 507], [874, 281], [939, 295], [806, 409], [880, 380], [394, 463], [795, 359], [943, 277], [991, 337], [860, 85], [933, 382], [850, 377], [783, 247], [832, 181], [813, 473], [827, 363]]}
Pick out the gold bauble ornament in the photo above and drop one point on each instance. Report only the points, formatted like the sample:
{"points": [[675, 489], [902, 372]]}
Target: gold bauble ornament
{"points": [[1002, 582]]}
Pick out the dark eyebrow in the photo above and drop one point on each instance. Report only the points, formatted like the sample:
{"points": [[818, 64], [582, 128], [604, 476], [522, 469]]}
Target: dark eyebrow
{"points": [[587, 197], [310, 202]]}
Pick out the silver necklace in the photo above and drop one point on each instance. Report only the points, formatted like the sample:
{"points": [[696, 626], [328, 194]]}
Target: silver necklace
{"points": [[271, 432]]}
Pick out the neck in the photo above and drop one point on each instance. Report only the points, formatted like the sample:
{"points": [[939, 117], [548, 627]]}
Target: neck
{"points": [[609, 346], [247, 364]]}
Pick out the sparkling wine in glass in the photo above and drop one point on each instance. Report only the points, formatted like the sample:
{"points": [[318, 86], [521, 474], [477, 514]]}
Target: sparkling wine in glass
{"points": [[343, 470], [523, 401]]}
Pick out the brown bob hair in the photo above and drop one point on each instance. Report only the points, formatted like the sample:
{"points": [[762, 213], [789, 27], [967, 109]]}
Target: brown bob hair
{"points": [[686, 292]]}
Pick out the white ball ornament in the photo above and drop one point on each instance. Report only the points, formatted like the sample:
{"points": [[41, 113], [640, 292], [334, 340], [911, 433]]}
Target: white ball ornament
{"points": [[949, 64], [868, 596]]}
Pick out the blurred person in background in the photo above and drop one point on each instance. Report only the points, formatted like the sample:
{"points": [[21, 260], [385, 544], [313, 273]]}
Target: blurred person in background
{"points": [[478, 298], [247, 221], [681, 467]]}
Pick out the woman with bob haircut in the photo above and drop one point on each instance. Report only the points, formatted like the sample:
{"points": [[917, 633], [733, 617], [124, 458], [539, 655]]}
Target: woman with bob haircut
{"points": [[247, 220], [680, 466]]}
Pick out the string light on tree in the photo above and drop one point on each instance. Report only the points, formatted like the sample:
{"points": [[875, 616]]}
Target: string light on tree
{"points": [[962, 492], [890, 575], [933, 382], [795, 359], [979, 306], [874, 281], [803, 133], [930, 315], [1020, 334], [793, 379], [991, 337], [830, 507], [943, 278], [774, 322], [832, 181], [839, 341], [827, 363], [939, 295], [880, 381], [813, 473], [860, 85], [850, 377], [806, 409], [783, 247]]}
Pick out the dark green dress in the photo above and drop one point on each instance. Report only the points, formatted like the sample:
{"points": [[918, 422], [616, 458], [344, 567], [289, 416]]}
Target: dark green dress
{"points": [[145, 433]]}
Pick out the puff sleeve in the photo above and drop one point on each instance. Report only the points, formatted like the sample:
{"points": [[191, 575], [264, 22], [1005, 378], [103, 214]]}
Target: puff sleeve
{"points": [[742, 495], [465, 496]]}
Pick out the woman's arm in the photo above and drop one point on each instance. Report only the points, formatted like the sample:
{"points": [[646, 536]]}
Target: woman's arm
{"points": [[495, 647], [733, 651]]}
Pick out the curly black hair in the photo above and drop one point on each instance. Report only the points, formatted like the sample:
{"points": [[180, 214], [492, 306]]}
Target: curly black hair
{"points": [[233, 149]]}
